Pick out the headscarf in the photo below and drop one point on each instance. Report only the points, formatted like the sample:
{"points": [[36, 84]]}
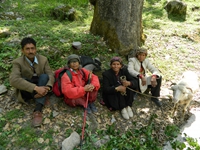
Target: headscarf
{"points": [[116, 59], [141, 50]]}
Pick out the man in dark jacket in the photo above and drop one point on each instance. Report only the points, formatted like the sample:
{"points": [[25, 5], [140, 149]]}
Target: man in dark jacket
{"points": [[32, 78]]}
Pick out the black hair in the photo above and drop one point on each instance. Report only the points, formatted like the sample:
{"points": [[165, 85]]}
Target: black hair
{"points": [[27, 40]]}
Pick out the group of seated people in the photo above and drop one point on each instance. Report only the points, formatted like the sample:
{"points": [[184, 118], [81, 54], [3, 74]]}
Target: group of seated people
{"points": [[32, 78]]}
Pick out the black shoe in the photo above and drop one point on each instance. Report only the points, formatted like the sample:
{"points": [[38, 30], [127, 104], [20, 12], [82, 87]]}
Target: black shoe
{"points": [[157, 102]]}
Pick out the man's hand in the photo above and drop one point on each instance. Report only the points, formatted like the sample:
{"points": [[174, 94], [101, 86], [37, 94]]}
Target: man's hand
{"points": [[41, 90]]}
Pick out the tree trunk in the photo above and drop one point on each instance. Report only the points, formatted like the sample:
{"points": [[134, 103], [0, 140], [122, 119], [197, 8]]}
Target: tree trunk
{"points": [[119, 22]]}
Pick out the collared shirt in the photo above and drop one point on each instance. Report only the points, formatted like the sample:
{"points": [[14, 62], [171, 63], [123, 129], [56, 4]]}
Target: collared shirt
{"points": [[32, 64]]}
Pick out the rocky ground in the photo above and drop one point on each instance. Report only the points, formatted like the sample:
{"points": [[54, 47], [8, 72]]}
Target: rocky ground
{"points": [[60, 117]]}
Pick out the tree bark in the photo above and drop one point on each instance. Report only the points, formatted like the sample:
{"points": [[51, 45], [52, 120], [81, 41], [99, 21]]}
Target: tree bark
{"points": [[119, 22]]}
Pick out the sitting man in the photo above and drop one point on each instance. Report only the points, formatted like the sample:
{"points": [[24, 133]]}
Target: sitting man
{"points": [[32, 77], [75, 89]]}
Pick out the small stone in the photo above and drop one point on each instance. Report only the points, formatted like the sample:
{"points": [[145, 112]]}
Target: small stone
{"points": [[55, 113], [3, 89], [46, 121], [40, 140]]}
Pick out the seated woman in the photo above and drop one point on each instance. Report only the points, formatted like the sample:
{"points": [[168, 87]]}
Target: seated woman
{"points": [[75, 91], [115, 94], [138, 67]]}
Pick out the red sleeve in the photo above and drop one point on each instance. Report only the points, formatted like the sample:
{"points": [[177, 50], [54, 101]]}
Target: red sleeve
{"points": [[69, 90]]}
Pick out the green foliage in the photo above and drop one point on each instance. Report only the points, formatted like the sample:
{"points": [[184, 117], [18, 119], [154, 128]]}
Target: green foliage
{"points": [[7, 52], [171, 131], [153, 10], [23, 136], [8, 117], [26, 136], [13, 114], [178, 145], [139, 139], [193, 143], [54, 38]]}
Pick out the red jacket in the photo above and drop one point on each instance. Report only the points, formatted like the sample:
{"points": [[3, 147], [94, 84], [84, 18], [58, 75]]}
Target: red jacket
{"points": [[74, 89]]}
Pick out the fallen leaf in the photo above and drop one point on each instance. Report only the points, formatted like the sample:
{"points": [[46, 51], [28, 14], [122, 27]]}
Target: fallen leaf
{"points": [[46, 121], [40, 140]]}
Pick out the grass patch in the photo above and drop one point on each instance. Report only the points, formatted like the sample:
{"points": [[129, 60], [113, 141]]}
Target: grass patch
{"points": [[14, 114], [8, 126]]}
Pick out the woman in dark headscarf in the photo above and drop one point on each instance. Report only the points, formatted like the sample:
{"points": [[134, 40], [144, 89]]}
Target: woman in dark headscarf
{"points": [[115, 93]]}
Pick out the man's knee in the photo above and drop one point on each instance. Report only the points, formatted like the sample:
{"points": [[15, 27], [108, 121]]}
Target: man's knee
{"points": [[43, 79], [44, 76]]}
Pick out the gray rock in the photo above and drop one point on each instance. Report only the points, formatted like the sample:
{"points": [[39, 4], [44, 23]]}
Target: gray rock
{"points": [[176, 8], [55, 113], [64, 12], [89, 67], [71, 142], [3, 89]]}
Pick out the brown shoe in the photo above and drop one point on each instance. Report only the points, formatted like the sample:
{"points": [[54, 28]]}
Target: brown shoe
{"points": [[37, 118]]}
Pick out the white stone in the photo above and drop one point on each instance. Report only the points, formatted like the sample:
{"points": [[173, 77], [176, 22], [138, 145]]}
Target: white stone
{"points": [[71, 142]]}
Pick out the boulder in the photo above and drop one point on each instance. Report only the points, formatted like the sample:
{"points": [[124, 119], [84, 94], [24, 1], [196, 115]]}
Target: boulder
{"points": [[64, 12], [71, 142], [176, 8]]}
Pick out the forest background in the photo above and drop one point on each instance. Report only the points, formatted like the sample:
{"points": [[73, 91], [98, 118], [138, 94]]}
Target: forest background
{"points": [[173, 47]]}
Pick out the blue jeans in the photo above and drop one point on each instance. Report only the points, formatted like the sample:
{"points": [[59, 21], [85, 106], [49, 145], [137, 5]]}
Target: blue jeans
{"points": [[42, 81]]}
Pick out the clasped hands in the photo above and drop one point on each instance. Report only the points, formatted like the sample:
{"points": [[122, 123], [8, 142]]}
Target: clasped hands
{"points": [[122, 88], [41, 91], [89, 87]]}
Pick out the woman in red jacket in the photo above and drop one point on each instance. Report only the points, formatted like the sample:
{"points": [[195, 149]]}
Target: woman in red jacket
{"points": [[75, 90]]}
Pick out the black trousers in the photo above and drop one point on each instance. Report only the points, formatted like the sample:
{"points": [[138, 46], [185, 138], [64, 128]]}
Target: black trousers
{"points": [[117, 101]]}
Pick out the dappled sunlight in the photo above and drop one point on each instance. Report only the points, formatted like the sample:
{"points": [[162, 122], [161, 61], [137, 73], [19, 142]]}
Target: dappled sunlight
{"points": [[146, 110], [4, 29]]}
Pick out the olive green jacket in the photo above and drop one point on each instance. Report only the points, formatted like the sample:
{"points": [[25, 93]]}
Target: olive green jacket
{"points": [[22, 70]]}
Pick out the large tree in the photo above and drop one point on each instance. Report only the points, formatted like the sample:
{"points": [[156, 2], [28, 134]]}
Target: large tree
{"points": [[119, 22]]}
